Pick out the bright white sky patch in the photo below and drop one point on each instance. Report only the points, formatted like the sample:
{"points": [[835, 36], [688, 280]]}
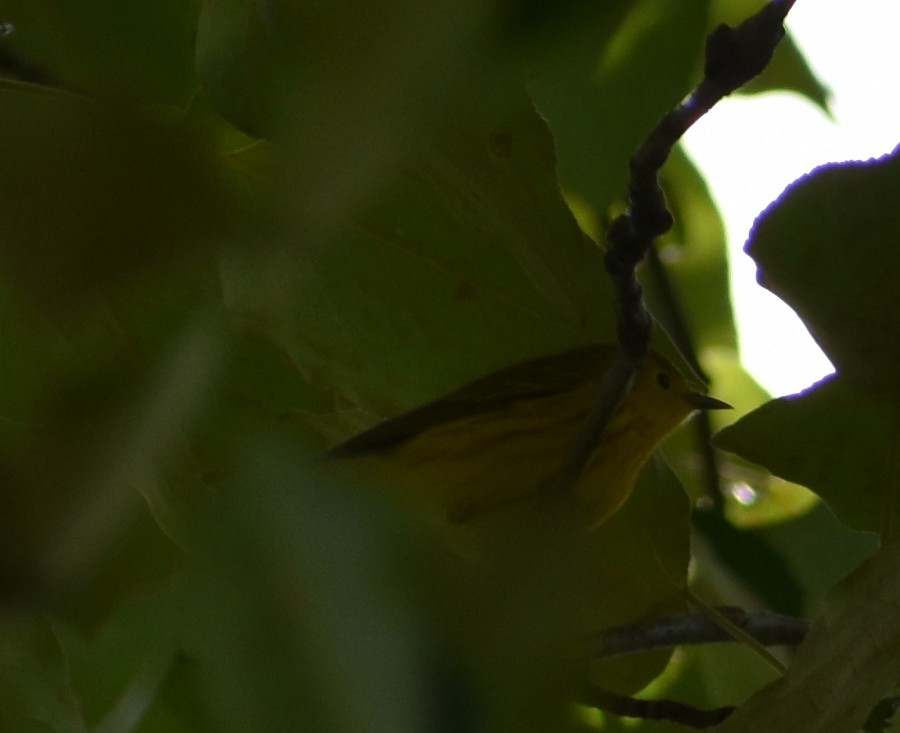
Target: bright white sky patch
{"points": [[751, 148]]}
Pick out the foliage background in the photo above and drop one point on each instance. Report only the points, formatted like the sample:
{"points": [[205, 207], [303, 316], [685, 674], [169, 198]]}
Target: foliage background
{"points": [[238, 231]]}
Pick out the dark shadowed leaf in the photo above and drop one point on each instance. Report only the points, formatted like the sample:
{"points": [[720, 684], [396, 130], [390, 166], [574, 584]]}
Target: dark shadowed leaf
{"points": [[94, 197], [847, 663], [846, 455], [828, 248], [140, 50]]}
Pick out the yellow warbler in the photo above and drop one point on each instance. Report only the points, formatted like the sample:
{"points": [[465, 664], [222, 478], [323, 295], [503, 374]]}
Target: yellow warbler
{"points": [[505, 437]]}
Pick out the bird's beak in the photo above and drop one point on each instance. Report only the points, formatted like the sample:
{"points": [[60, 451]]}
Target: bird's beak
{"points": [[701, 401]]}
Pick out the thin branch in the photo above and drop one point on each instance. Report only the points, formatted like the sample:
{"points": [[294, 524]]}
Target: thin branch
{"points": [[671, 710], [769, 629], [737, 632], [733, 57]]}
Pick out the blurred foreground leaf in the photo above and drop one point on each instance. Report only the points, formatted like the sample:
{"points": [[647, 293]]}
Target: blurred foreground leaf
{"points": [[319, 602], [95, 198], [83, 446], [142, 50]]}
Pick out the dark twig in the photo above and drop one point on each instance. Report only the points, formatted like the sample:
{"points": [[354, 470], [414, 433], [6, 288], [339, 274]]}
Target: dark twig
{"points": [[733, 57], [671, 710], [770, 629], [711, 476]]}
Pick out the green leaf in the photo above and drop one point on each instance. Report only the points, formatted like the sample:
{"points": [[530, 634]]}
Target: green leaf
{"points": [[633, 566], [321, 601], [36, 692], [142, 49], [788, 71], [773, 500], [694, 676], [341, 83], [119, 671], [694, 256], [87, 427], [820, 550], [119, 197], [847, 663], [654, 528], [468, 260], [826, 247], [236, 64], [601, 100], [846, 455], [306, 610]]}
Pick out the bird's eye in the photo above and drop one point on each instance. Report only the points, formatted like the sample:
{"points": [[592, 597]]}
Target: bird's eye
{"points": [[663, 379]]}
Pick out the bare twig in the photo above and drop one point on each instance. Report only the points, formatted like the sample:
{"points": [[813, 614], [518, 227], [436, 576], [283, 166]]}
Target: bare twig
{"points": [[770, 629], [671, 710], [733, 57]]}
